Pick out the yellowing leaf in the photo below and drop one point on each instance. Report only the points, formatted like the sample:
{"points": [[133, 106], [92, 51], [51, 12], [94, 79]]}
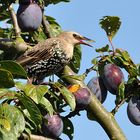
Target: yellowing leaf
{"points": [[74, 88], [6, 124]]}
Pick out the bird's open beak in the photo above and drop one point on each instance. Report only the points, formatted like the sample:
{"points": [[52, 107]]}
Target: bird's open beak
{"points": [[83, 39]]}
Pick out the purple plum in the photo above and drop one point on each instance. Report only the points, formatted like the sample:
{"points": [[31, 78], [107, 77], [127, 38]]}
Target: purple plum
{"points": [[29, 17], [53, 126], [112, 77], [97, 86], [83, 97], [133, 110]]}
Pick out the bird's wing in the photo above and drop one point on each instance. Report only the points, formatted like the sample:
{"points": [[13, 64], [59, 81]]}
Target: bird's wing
{"points": [[39, 52]]}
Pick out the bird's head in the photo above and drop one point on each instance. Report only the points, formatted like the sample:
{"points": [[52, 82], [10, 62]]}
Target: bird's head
{"points": [[75, 38]]}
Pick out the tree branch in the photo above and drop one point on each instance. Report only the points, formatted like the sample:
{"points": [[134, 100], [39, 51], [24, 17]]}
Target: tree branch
{"points": [[34, 137], [15, 23], [46, 27], [104, 118], [12, 48]]}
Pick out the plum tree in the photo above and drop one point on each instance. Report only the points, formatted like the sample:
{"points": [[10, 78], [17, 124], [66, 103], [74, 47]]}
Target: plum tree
{"points": [[52, 126], [112, 77], [23, 104], [97, 86], [29, 16], [133, 110]]}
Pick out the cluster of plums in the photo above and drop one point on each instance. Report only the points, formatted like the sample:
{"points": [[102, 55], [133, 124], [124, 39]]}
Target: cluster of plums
{"points": [[109, 80], [29, 15]]}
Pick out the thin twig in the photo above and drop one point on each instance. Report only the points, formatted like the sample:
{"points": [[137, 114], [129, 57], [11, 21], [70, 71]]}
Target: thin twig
{"points": [[15, 23], [89, 70], [120, 104], [46, 27]]}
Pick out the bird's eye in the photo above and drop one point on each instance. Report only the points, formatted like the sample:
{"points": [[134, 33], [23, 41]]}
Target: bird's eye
{"points": [[75, 35]]}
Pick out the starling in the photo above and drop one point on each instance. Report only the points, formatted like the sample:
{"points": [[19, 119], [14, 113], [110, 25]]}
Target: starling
{"points": [[50, 56]]}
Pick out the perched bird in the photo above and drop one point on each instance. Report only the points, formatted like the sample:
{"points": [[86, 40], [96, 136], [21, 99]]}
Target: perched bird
{"points": [[50, 56]]}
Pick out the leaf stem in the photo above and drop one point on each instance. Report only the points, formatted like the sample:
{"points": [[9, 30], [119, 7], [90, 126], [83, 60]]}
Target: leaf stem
{"points": [[110, 41], [120, 104]]}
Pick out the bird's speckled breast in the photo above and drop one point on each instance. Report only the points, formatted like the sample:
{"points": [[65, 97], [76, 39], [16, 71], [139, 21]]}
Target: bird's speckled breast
{"points": [[49, 66]]}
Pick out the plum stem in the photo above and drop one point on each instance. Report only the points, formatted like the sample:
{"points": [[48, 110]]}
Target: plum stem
{"points": [[89, 70], [110, 41]]}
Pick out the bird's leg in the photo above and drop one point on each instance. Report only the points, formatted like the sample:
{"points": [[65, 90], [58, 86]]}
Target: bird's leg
{"points": [[29, 80]]}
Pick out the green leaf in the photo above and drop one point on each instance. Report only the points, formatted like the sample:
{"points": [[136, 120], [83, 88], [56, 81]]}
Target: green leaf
{"points": [[5, 124], [47, 2], [5, 34], [68, 96], [1, 32], [124, 54], [121, 90], [55, 28], [7, 2], [6, 79], [30, 124], [39, 35], [20, 85], [33, 110], [35, 92], [94, 61], [128, 64], [4, 14], [103, 49], [75, 77], [111, 25], [68, 128], [12, 122], [7, 94], [76, 60], [47, 105], [13, 67]]}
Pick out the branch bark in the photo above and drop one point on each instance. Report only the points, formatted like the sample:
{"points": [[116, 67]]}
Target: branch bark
{"points": [[103, 117], [12, 48], [34, 137], [46, 27], [14, 19]]}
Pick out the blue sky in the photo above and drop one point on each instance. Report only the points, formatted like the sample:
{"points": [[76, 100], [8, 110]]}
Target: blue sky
{"points": [[83, 17]]}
